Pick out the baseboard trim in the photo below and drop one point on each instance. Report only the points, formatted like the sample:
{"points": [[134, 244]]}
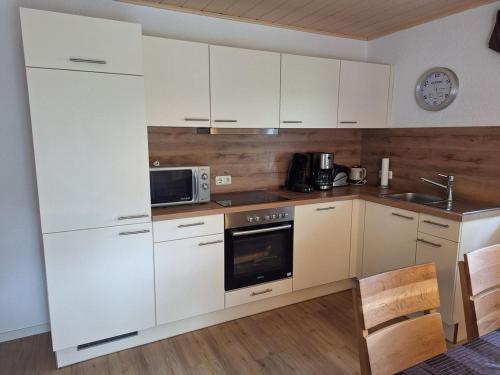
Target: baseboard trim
{"points": [[69, 356], [24, 332]]}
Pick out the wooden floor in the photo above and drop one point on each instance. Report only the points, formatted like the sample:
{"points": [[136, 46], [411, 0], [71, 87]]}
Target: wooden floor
{"points": [[312, 337]]}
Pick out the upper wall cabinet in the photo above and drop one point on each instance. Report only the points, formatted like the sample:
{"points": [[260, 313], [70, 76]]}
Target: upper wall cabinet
{"points": [[245, 88], [309, 92], [176, 75], [64, 41], [364, 95]]}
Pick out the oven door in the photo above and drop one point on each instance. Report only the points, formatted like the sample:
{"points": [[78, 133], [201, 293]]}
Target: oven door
{"points": [[170, 186], [258, 254]]}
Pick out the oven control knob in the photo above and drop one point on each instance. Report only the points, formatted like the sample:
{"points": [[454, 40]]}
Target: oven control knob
{"points": [[257, 218], [273, 216], [204, 186], [204, 176], [281, 216], [250, 219], [286, 214], [267, 217]]}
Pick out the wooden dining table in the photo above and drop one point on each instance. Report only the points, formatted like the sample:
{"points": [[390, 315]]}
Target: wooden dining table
{"points": [[480, 356]]}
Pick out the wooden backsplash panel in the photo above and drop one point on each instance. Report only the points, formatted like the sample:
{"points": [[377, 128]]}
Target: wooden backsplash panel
{"points": [[471, 154], [253, 161]]}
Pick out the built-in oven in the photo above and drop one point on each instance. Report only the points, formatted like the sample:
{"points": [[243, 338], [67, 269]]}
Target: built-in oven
{"points": [[258, 247], [179, 185]]}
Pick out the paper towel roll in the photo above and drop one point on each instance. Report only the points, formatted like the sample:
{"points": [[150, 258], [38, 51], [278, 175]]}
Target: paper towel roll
{"points": [[384, 173]]}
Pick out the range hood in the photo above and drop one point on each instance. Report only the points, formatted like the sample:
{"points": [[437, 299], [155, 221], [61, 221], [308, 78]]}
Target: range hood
{"points": [[238, 131]]}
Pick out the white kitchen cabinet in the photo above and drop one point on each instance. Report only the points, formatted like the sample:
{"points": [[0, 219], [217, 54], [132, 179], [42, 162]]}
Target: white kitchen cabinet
{"points": [[244, 87], [444, 253], [390, 238], [364, 95], [176, 77], [322, 240], [258, 292], [66, 41], [100, 283], [167, 230], [189, 277], [91, 149], [309, 92]]}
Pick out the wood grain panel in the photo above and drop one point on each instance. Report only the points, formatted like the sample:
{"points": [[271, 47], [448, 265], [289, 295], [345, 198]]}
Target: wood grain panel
{"points": [[311, 337], [471, 154], [253, 161], [357, 19]]}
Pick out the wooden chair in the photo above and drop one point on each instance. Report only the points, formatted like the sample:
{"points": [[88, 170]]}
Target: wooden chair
{"points": [[480, 280], [388, 344]]}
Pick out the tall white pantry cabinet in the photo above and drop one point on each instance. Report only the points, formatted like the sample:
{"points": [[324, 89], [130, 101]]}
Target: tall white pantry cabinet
{"points": [[86, 94]]}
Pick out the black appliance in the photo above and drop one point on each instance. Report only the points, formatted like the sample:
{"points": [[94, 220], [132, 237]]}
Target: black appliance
{"points": [[246, 197], [322, 170], [258, 246], [299, 173]]}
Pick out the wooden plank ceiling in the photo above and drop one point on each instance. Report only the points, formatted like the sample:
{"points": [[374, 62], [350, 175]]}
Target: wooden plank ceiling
{"points": [[357, 19]]}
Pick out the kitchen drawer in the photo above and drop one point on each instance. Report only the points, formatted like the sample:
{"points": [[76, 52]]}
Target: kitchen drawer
{"points": [[444, 254], [439, 227], [167, 230], [65, 41], [258, 292]]}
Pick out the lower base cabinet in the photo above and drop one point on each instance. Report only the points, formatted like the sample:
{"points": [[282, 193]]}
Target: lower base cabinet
{"points": [[444, 254], [322, 243], [389, 240], [189, 277], [100, 283], [258, 292]]}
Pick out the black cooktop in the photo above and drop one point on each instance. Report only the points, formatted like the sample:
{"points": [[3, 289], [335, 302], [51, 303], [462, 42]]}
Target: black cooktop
{"points": [[246, 197]]}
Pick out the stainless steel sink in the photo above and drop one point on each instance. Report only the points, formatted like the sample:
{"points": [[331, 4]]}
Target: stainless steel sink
{"points": [[414, 198]]}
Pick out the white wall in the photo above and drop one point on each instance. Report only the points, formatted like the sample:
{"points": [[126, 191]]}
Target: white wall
{"points": [[22, 287], [459, 42]]}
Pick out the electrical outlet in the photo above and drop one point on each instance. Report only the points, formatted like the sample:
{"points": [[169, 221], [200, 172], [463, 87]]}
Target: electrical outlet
{"points": [[222, 180]]}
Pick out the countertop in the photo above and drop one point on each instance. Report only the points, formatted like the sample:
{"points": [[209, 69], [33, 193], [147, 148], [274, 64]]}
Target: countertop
{"points": [[460, 211]]}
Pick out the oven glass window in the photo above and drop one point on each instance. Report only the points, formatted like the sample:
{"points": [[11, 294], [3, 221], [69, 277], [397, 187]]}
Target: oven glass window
{"points": [[171, 186], [257, 258]]}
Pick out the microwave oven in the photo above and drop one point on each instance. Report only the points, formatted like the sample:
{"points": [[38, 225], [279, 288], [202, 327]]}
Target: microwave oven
{"points": [[179, 185]]}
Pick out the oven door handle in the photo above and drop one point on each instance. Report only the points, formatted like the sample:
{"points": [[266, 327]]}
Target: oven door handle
{"points": [[262, 230]]}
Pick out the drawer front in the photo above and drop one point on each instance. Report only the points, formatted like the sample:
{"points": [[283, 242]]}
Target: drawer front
{"points": [[444, 253], [168, 230], [439, 227], [258, 292], [65, 41]]}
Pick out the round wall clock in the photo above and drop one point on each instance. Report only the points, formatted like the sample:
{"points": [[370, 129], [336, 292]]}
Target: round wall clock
{"points": [[436, 89]]}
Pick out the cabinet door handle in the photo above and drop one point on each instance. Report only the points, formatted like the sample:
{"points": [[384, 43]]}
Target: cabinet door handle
{"points": [[429, 243], [403, 216], [132, 217], [190, 225], [134, 232], [325, 208], [210, 243], [292, 122], [225, 120], [438, 224], [88, 61], [195, 119], [268, 290], [348, 122]]}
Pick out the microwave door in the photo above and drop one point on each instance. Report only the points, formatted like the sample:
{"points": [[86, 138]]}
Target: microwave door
{"points": [[173, 186]]}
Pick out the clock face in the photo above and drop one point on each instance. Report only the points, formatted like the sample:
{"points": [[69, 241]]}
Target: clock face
{"points": [[436, 89]]}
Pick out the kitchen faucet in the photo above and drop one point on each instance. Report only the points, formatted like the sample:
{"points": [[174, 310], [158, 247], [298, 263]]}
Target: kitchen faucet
{"points": [[448, 187]]}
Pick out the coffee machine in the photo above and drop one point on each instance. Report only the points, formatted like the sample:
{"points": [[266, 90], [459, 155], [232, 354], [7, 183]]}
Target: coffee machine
{"points": [[322, 170], [299, 173]]}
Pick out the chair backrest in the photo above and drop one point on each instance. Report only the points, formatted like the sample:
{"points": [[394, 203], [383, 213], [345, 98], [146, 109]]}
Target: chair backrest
{"points": [[388, 344], [480, 280]]}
